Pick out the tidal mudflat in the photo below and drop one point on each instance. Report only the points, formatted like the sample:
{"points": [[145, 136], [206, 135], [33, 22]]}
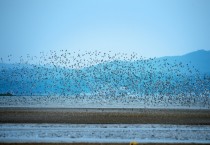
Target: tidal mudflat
{"points": [[104, 133]]}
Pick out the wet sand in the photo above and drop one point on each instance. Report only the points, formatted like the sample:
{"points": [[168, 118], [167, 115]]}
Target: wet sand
{"points": [[105, 116]]}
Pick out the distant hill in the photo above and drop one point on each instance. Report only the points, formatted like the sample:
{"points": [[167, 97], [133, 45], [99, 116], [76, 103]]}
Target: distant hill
{"points": [[166, 75], [199, 59]]}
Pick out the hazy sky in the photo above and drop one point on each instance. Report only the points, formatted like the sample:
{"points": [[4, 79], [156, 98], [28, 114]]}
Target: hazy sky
{"points": [[148, 27]]}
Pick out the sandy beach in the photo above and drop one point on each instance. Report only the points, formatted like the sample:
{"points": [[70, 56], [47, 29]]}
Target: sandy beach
{"points": [[105, 116]]}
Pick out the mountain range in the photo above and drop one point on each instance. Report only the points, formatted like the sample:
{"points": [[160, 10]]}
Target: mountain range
{"points": [[186, 74], [199, 59]]}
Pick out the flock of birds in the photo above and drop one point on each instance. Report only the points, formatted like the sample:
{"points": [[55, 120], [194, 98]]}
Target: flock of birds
{"points": [[105, 75]]}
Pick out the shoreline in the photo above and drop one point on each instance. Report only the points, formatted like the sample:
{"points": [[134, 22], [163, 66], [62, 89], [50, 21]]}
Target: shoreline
{"points": [[83, 143], [105, 116]]}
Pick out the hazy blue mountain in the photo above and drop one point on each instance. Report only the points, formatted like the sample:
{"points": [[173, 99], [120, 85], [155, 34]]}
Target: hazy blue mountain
{"points": [[163, 75], [199, 59]]}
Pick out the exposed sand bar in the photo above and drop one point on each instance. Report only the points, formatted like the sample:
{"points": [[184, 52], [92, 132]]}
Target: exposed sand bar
{"points": [[105, 116]]}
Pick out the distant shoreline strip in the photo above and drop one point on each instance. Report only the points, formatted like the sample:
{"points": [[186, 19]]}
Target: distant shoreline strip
{"points": [[84, 143]]}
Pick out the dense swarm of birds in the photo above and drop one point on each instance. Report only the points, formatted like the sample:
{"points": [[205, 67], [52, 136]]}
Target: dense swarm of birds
{"points": [[100, 74]]}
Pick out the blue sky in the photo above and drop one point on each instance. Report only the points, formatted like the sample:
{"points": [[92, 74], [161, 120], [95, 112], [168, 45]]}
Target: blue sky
{"points": [[147, 27]]}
